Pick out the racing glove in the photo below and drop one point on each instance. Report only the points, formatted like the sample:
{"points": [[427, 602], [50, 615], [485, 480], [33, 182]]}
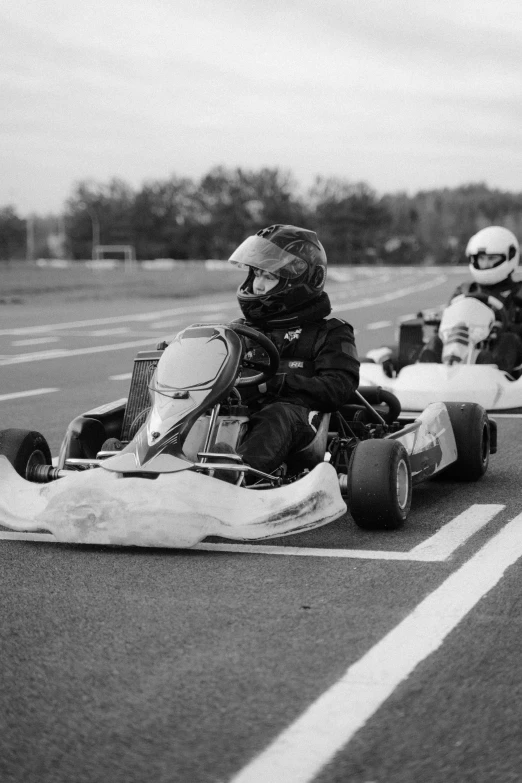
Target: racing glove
{"points": [[274, 385]]}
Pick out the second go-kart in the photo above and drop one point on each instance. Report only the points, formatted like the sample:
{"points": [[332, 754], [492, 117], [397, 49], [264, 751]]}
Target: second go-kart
{"points": [[164, 487], [468, 328]]}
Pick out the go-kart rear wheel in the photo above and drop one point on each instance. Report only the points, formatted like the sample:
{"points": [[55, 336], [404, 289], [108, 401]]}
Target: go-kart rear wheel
{"points": [[379, 484], [471, 429], [24, 449]]}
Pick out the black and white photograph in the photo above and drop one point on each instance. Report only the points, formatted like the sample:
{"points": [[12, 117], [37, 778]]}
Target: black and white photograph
{"points": [[260, 391]]}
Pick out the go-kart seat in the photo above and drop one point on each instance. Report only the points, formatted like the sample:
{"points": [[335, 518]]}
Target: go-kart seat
{"points": [[313, 453], [373, 396], [355, 413]]}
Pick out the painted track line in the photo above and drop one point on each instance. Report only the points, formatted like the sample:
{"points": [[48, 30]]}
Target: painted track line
{"points": [[311, 742], [378, 325], [494, 414], [297, 551], [118, 319], [435, 549], [41, 538], [144, 317], [389, 296], [29, 393], [65, 353], [34, 341], [453, 534]]}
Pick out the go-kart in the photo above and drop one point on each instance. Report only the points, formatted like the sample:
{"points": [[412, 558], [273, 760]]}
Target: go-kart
{"points": [[161, 486], [468, 328]]}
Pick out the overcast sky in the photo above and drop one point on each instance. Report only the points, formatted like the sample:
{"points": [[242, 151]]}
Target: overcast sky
{"points": [[402, 94]]}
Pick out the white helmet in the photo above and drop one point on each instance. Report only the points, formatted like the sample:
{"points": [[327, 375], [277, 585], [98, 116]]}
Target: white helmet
{"points": [[493, 255]]}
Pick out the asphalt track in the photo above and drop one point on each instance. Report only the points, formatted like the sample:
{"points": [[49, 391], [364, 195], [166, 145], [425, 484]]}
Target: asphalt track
{"points": [[337, 655]]}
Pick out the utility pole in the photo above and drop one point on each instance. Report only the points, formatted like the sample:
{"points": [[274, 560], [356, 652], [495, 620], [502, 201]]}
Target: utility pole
{"points": [[30, 240], [95, 227]]}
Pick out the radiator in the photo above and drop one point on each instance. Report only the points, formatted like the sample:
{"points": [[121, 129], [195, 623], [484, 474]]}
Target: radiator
{"points": [[138, 402]]}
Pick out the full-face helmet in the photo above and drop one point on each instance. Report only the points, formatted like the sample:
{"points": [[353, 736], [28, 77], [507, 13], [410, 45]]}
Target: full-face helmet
{"points": [[294, 256], [493, 255]]}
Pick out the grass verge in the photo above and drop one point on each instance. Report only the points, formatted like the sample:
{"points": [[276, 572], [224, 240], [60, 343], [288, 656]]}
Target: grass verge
{"points": [[22, 282]]}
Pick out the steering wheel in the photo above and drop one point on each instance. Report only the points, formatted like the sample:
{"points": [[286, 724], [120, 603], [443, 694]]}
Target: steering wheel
{"points": [[267, 371]]}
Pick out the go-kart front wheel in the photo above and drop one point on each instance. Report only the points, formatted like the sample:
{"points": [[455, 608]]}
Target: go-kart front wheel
{"points": [[25, 449], [379, 484], [472, 435]]}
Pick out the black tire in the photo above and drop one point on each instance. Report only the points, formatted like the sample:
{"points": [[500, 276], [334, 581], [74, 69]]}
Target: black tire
{"points": [[379, 484], [24, 448], [470, 425]]}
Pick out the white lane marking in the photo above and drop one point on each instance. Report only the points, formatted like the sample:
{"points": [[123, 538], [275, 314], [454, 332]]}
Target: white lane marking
{"points": [[117, 319], [435, 549], [494, 414], [124, 376], [379, 325], [29, 393], [106, 332], [164, 324], [453, 534], [218, 306], [307, 745], [35, 341], [260, 549], [340, 275], [390, 296], [10, 535], [65, 353], [177, 322]]}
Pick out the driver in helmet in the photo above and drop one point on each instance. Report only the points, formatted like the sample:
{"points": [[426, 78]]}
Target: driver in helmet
{"points": [[493, 255], [283, 297]]}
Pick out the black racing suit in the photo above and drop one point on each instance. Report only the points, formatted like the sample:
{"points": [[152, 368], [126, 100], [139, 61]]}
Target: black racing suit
{"points": [[507, 351], [318, 371]]}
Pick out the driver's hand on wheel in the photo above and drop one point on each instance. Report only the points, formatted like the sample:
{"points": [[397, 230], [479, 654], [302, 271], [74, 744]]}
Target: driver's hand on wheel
{"points": [[273, 385]]}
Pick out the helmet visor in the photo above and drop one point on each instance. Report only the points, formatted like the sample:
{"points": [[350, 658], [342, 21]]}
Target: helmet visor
{"points": [[260, 253], [488, 260]]}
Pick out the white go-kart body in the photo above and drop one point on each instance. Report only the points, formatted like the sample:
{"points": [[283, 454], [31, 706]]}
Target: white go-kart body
{"points": [[168, 486], [465, 326]]}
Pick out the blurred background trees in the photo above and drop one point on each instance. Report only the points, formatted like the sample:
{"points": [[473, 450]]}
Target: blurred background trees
{"points": [[12, 235], [185, 219], [350, 220]]}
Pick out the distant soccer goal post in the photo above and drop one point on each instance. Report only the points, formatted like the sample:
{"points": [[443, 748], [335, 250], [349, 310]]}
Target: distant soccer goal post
{"points": [[126, 252]]}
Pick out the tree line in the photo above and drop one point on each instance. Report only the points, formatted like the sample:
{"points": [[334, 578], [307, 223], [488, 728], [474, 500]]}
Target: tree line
{"points": [[182, 218]]}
